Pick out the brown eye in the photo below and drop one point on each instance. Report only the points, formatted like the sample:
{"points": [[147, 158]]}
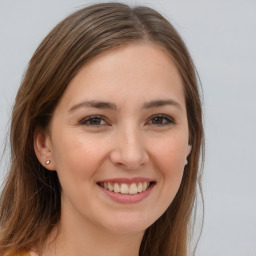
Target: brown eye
{"points": [[93, 121], [160, 120], [157, 120]]}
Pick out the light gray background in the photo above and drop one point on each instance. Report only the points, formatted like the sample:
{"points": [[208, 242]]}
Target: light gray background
{"points": [[221, 36]]}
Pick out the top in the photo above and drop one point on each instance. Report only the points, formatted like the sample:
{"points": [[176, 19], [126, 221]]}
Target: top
{"points": [[20, 254]]}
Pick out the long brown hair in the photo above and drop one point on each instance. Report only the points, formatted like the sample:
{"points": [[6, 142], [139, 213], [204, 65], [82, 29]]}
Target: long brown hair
{"points": [[30, 200]]}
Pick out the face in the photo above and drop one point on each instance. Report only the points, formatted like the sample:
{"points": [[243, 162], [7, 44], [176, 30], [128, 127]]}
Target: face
{"points": [[118, 139]]}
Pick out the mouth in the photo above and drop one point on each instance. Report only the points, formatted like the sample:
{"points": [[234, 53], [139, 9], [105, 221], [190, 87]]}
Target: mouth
{"points": [[126, 188]]}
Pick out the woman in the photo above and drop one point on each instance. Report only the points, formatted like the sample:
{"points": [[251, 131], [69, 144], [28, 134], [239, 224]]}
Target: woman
{"points": [[106, 136]]}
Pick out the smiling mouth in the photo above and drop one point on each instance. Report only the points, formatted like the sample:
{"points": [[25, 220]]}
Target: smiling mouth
{"points": [[125, 188]]}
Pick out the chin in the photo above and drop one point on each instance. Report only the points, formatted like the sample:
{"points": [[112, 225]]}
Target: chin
{"points": [[130, 223]]}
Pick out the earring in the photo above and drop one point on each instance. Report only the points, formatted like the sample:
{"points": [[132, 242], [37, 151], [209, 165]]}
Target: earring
{"points": [[186, 162], [47, 162]]}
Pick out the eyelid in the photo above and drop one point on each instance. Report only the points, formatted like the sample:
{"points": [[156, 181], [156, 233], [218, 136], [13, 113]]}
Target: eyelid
{"points": [[88, 118], [169, 119]]}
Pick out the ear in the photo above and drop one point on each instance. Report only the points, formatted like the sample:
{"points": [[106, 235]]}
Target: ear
{"points": [[43, 149]]}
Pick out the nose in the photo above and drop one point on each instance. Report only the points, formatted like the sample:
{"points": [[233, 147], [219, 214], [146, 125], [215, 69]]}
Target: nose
{"points": [[129, 151]]}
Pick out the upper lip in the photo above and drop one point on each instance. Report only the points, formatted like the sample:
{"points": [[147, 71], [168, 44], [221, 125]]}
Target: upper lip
{"points": [[126, 180]]}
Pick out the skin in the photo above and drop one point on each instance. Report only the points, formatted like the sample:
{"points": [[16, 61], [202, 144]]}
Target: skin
{"points": [[126, 142]]}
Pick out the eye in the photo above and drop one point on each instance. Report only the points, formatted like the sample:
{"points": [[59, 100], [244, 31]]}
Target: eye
{"points": [[160, 120], [93, 121]]}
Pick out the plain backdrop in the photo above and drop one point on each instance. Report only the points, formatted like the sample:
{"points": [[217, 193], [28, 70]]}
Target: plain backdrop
{"points": [[221, 36]]}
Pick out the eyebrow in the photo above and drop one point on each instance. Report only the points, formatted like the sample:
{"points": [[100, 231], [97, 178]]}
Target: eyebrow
{"points": [[94, 104], [160, 103], [112, 106]]}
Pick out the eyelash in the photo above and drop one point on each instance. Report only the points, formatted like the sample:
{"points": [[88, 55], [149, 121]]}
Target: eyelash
{"points": [[86, 121], [168, 120]]}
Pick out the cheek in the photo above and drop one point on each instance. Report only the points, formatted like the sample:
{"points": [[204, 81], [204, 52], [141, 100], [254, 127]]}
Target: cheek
{"points": [[171, 168], [170, 158], [171, 154], [78, 159], [77, 156]]}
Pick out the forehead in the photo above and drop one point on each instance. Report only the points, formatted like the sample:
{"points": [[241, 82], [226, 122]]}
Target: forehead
{"points": [[133, 72]]}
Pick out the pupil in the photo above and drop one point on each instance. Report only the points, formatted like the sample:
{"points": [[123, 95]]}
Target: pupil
{"points": [[158, 120], [96, 121]]}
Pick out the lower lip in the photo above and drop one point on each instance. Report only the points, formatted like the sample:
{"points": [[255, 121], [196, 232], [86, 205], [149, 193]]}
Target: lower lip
{"points": [[127, 198]]}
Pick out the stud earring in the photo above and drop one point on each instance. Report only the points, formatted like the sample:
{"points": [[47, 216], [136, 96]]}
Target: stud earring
{"points": [[47, 162], [186, 162]]}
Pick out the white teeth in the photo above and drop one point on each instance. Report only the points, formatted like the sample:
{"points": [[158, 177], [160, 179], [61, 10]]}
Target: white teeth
{"points": [[140, 187], [116, 188], [110, 187], [133, 189], [145, 186], [124, 188]]}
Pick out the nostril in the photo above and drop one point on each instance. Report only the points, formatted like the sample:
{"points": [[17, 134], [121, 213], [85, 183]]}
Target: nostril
{"points": [[129, 161]]}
